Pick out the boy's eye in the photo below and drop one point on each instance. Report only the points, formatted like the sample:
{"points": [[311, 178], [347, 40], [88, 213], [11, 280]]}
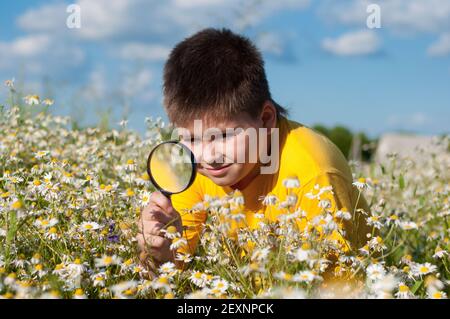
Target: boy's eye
{"points": [[223, 136], [226, 136], [195, 140]]}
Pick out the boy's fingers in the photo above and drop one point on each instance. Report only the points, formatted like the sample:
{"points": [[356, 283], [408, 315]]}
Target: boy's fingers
{"points": [[162, 201], [152, 228], [156, 246], [155, 213]]}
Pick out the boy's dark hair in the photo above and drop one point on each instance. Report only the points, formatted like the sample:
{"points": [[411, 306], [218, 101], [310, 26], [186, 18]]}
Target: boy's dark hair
{"points": [[216, 73]]}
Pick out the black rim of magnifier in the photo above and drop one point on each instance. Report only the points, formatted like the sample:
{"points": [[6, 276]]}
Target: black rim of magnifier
{"points": [[193, 163]]}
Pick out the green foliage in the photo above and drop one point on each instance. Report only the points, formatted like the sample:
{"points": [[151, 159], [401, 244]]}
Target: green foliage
{"points": [[344, 137]]}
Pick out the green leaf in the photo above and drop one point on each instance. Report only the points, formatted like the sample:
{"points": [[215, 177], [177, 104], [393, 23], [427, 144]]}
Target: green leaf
{"points": [[416, 286], [401, 182]]}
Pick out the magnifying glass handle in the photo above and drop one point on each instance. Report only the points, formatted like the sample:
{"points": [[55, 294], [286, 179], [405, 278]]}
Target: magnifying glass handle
{"points": [[165, 193]]}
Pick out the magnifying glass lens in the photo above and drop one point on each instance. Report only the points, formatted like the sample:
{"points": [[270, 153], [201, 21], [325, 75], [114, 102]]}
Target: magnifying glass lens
{"points": [[171, 167]]}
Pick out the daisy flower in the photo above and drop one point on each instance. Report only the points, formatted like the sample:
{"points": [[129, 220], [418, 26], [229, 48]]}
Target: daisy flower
{"points": [[304, 276], [437, 295], [10, 83], [39, 270], [45, 223], [52, 233], [377, 244], [270, 200], [283, 276], [186, 258], [87, 226], [439, 253], [177, 243], [131, 165], [145, 198], [79, 294], [343, 214], [41, 154], [422, 269], [302, 254], [167, 267], [291, 182], [375, 272], [163, 282], [199, 279], [361, 184], [170, 232], [124, 290], [318, 191], [48, 102], [403, 292], [375, 221], [252, 267], [32, 99], [408, 225], [99, 279], [107, 260]]}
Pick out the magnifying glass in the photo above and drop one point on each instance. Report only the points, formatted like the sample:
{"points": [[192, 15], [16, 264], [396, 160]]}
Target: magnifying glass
{"points": [[171, 167]]}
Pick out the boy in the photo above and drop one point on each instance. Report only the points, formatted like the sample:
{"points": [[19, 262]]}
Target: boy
{"points": [[218, 77]]}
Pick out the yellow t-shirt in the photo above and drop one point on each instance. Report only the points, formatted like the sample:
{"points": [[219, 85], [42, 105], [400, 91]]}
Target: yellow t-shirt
{"points": [[305, 154]]}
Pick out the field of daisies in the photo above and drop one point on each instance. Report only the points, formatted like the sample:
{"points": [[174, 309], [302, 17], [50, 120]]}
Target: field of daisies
{"points": [[69, 199]]}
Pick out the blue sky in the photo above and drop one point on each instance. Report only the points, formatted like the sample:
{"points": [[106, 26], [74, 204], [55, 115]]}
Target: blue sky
{"points": [[322, 60]]}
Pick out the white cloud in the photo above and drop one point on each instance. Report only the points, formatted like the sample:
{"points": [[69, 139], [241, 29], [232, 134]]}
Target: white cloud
{"points": [[48, 17], [27, 46], [363, 42], [400, 16], [270, 42], [196, 3], [36, 50], [138, 19], [144, 51], [441, 47]]}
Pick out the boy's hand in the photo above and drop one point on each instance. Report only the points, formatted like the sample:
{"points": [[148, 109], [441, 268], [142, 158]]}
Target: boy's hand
{"points": [[156, 216]]}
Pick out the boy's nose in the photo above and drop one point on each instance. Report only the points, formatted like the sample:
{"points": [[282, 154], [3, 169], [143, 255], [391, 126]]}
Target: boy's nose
{"points": [[212, 154]]}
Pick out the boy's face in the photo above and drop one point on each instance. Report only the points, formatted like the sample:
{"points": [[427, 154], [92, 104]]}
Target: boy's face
{"points": [[225, 151]]}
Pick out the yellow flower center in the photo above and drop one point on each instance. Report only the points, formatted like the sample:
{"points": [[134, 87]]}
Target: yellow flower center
{"points": [[17, 204], [287, 277], [198, 275], [424, 269], [171, 229], [79, 292], [437, 295], [403, 288]]}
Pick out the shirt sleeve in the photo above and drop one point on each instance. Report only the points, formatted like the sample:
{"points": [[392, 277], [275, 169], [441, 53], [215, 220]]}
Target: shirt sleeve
{"points": [[343, 196], [193, 220]]}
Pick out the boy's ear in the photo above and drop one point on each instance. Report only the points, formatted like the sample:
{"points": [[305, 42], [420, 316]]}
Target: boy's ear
{"points": [[268, 115]]}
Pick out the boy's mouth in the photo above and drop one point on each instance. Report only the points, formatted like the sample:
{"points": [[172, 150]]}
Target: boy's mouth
{"points": [[217, 171]]}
